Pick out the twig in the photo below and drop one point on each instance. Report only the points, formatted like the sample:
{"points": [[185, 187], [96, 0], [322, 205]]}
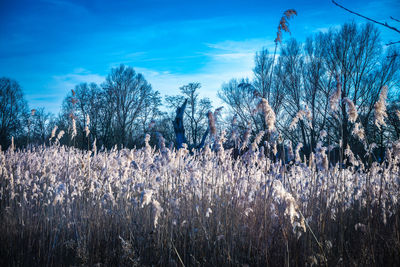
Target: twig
{"points": [[392, 56], [394, 19], [392, 43]]}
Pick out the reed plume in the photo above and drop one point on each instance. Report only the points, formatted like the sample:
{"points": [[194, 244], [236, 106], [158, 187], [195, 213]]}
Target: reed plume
{"points": [[380, 108]]}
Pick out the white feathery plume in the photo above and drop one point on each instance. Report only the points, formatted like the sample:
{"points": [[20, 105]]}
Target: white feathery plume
{"points": [[334, 99], [308, 113], [211, 123], [87, 131], [275, 149], [297, 152], [358, 131], [234, 134], [12, 143], [380, 108], [95, 146], [257, 140], [60, 135], [321, 157], [295, 120], [246, 137], [301, 115], [269, 114], [290, 153], [350, 155], [146, 143], [146, 197], [311, 160], [53, 132], [87, 119], [73, 134], [157, 209], [208, 212], [351, 109], [247, 211], [281, 195]]}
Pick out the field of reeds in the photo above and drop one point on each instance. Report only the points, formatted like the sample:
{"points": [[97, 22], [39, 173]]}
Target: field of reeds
{"points": [[60, 206]]}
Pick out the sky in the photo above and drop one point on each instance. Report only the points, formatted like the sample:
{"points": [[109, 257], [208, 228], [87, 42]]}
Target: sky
{"points": [[49, 46]]}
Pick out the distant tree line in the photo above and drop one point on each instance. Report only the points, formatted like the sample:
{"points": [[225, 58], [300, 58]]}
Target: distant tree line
{"points": [[299, 83]]}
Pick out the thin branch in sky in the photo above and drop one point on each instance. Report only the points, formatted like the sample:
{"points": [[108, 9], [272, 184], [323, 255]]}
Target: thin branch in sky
{"points": [[394, 19], [367, 18], [392, 43]]}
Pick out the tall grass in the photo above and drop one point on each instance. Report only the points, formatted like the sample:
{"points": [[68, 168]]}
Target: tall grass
{"points": [[165, 207]]}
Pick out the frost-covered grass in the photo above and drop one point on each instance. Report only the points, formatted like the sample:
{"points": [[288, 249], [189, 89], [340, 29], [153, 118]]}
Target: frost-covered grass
{"points": [[61, 206]]}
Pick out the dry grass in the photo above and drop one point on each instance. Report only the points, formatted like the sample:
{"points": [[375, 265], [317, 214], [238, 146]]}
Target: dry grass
{"points": [[150, 207]]}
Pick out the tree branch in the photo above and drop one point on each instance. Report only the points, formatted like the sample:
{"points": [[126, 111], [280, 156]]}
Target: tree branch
{"points": [[377, 22], [179, 126]]}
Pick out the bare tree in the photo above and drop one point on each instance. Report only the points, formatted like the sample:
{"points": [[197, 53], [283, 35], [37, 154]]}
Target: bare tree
{"points": [[195, 119], [88, 108], [41, 125], [243, 95], [117, 112], [13, 111], [304, 79], [241, 98], [127, 92], [148, 119]]}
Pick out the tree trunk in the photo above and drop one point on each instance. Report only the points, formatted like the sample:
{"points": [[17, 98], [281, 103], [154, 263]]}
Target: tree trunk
{"points": [[179, 128]]}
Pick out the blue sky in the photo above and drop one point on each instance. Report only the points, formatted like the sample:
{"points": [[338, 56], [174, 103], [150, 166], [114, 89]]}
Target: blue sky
{"points": [[49, 46]]}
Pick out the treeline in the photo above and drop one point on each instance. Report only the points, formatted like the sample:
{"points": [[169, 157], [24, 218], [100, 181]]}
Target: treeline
{"points": [[348, 65]]}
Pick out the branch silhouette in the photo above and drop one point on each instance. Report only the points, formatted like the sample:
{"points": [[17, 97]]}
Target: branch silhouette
{"points": [[367, 18]]}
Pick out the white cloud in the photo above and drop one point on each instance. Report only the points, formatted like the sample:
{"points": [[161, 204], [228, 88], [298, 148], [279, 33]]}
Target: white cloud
{"points": [[168, 83], [250, 45], [322, 29], [69, 81], [226, 60], [60, 85]]}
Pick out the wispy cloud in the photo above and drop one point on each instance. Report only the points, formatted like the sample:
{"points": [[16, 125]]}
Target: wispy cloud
{"points": [[225, 60], [80, 75], [222, 62], [171, 42], [249, 45], [326, 28], [169, 83], [58, 87]]}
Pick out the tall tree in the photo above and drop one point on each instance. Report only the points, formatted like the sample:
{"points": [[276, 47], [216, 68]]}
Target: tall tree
{"points": [[13, 110], [42, 123], [195, 113], [127, 93]]}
